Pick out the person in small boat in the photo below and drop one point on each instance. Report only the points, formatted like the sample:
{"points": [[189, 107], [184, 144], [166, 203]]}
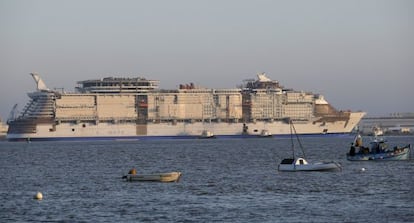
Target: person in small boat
{"points": [[373, 147], [358, 141], [352, 150], [357, 147], [132, 171], [397, 150], [383, 147], [378, 147]]}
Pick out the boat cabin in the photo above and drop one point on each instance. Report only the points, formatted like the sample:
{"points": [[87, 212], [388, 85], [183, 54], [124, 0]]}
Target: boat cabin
{"points": [[301, 161], [287, 161], [298, 161]]}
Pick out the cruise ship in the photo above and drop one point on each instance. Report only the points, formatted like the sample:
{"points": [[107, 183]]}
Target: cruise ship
{"points": [[136, 108]]}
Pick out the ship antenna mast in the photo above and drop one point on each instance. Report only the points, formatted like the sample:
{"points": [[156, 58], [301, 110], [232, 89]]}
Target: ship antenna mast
{"points": [[12, 114]]}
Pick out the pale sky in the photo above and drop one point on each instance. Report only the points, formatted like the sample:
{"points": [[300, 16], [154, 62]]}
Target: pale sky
{"points": [[358, 53]]}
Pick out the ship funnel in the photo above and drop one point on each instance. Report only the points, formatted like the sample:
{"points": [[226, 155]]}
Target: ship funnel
{"points": [[41, 86], [262, 77]]}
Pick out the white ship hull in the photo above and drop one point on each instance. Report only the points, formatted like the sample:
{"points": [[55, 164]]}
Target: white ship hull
{"points": [[114, 131]]}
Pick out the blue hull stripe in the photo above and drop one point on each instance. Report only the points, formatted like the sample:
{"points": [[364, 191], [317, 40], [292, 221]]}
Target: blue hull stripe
{"points": [[126, 138]]}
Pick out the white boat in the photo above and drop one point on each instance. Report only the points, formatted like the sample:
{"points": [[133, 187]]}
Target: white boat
{"points": [[265, 133], [206, 135], [155, 177], [300, 164], [377, 131]]}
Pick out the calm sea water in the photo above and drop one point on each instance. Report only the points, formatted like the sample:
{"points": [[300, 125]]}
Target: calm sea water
{"points": [[232, 180]]}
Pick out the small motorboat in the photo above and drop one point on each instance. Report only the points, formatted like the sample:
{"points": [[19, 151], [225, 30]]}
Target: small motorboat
{"points": [[378, 150], [154, 177], [265, 133], [300, 164], [207, 135]]}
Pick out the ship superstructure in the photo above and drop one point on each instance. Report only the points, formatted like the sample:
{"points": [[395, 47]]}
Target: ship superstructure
{"points": [[135, 108]]}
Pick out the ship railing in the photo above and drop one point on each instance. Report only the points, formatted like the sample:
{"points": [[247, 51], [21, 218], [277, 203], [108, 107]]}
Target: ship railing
{"points": [[336, 115], [75, 106], [31, 120], [177, 120], [74, 119]]}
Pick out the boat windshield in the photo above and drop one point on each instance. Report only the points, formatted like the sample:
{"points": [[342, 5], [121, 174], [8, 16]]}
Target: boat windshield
{"points": [[287, 161]]}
